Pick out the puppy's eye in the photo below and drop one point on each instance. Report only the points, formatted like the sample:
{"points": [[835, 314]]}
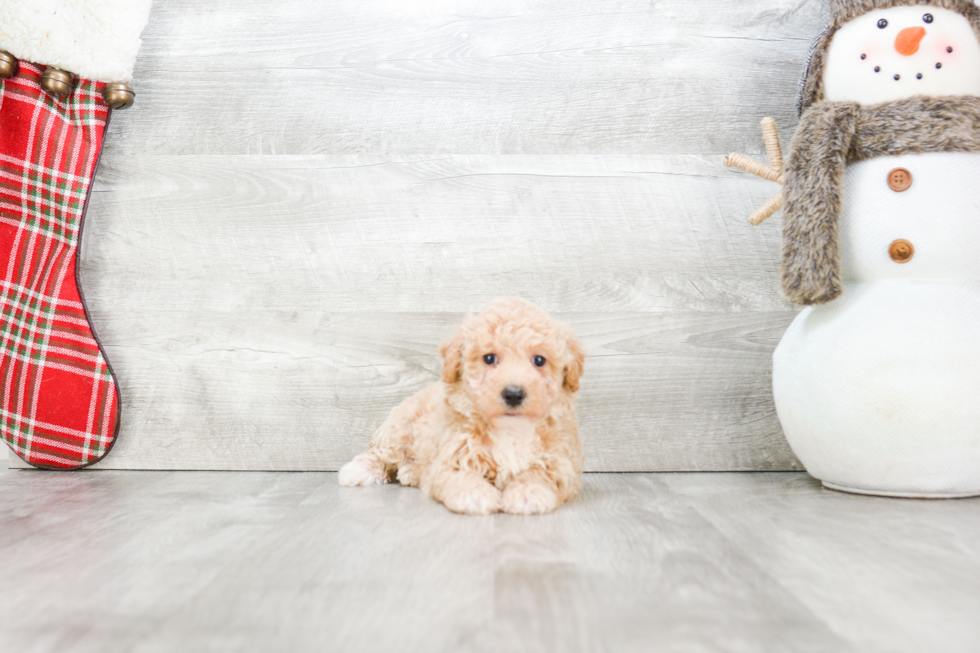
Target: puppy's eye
{"points": [[927, 18], [490, 359], [538, 361], [882, 24]]}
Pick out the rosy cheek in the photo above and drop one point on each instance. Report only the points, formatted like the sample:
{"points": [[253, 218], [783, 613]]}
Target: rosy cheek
{"points": [[945, 49], [871, 49]]}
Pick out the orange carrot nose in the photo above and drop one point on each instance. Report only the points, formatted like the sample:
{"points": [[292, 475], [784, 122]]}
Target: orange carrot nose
{"points": [[907, 41]]}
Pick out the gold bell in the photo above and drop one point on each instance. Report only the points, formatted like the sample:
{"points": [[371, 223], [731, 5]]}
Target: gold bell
{"points": [[8, 65], [56, 81], [118, 95]]}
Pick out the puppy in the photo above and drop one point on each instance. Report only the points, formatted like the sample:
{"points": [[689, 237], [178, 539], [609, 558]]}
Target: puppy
{"points": [[498, 433]]}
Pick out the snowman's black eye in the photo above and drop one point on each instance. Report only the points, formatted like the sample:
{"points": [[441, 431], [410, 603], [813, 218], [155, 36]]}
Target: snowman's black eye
{"points": [[490, 359], [863, 57], [882, 24], [927, 18], [877, 69]]}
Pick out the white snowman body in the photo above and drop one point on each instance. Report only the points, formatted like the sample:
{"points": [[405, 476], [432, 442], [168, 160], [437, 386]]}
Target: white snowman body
{"points": [[878, 391]]}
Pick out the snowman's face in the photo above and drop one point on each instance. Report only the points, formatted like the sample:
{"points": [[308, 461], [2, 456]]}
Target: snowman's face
{"points": [[889, 54]]}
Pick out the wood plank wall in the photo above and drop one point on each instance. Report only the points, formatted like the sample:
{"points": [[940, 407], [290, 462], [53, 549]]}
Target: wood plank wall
{"points": [[308, 195]]}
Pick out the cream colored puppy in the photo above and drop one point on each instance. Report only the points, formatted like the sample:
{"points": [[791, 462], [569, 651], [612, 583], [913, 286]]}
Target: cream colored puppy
{"points": [[498, 433]]}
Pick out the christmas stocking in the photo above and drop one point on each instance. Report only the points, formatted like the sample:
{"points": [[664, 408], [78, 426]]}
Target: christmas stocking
{"points": [[59, 403]]}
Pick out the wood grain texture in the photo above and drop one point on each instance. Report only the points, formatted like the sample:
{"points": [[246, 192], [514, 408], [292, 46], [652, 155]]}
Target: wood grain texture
{"points": [[197, 561], [277, 330], [307, 196], [465, 77], [899, 593]]}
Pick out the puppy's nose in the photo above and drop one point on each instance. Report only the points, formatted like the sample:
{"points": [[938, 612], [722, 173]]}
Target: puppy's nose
{"points": [[514, 395]]}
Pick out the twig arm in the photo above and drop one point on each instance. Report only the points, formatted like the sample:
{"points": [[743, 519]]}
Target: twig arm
{"points": [[775, 151], [772, 172], [750, 165], [774, 204]]}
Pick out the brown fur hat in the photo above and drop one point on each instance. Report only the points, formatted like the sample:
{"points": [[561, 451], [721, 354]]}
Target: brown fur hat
{"points": [[840, 12]]}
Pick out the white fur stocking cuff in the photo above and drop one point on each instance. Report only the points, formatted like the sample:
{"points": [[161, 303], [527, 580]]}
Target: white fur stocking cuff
{"points": [[94, 39]]}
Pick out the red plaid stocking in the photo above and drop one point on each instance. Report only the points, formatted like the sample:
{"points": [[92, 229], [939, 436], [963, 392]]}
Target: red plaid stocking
{"points": [[60, 404]]}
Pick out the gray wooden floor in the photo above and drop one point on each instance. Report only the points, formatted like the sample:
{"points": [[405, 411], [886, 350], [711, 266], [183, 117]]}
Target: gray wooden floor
{"points": [[228, 561]]}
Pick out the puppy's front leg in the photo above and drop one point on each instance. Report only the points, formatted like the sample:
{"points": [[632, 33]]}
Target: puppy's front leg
{"points": [[532, 492], [467, 493]]}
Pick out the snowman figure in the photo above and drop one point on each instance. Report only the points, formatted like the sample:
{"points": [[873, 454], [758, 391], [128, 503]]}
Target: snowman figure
{"points": [[877, 380]]}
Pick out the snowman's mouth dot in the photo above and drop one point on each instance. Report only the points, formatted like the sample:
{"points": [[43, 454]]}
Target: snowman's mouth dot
{"points": [[919, 76], [898, 77], [877, 69], [864, 56], [939, 65], [949, 49]]}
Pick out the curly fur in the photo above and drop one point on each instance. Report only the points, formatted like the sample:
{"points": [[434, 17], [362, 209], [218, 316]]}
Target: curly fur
{"points": [[462, 444], [94, 39], [842, 11], [832, 134]]}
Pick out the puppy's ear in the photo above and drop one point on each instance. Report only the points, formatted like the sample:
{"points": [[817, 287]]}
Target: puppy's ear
{"points": [[575, 368], [452, 353]]}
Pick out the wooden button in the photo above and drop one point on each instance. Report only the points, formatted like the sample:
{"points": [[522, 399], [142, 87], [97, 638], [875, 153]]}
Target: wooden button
{"points": [[901, 251], [899, 179]]}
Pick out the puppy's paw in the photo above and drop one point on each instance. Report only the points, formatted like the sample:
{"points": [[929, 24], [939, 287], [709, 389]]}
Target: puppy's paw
{"points": [[406, 475], [361, 471], [521, 498], [472, 497]]}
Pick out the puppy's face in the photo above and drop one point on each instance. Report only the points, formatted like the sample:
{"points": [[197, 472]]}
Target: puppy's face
{"points": [[513, 360]]}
